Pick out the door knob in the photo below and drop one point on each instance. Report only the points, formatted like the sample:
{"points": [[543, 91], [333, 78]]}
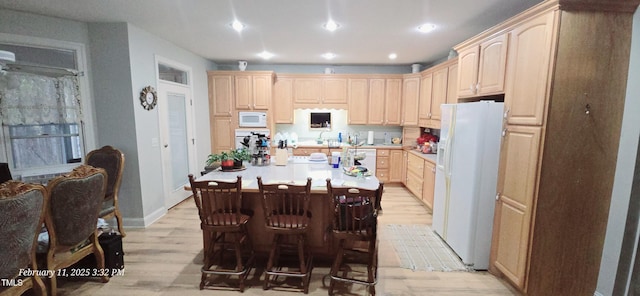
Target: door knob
{"points": [[166, 145]]}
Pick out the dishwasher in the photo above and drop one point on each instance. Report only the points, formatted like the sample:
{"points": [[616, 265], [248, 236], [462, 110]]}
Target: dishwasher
{"points": [[369, 160]]}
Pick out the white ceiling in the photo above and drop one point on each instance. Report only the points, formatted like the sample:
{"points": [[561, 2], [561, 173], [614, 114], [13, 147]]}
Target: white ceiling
{"points": [[292, 29]]}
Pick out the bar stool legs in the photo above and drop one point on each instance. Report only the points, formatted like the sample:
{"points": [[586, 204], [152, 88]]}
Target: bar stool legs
{"points": [[305, 261], [372, 268]]}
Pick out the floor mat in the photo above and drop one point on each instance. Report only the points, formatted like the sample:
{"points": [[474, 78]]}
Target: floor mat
{"points": [[419, 248]]}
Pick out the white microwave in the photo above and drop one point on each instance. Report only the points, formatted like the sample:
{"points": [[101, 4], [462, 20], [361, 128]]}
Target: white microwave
{"points": [[252, 119]]}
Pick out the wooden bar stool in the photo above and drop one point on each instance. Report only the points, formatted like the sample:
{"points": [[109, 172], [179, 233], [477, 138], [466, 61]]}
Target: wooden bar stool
{"points": [[355, 218], [286, 210], [219, 206]]}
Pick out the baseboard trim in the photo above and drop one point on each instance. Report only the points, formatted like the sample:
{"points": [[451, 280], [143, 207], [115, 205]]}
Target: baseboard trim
{"points": [[146, 221]]}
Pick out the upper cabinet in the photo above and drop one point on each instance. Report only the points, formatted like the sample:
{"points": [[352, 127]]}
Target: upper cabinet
{"points": [[410, 99], [311, 91], [482, 67], [393, 101], [253, 91], [283, 100], [385, 102], [220, 94], [437, 87], [358, 100], [529, 59]]}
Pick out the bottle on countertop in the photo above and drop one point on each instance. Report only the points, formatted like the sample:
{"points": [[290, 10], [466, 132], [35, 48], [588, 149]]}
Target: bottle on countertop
{"points": [[339, 137]]}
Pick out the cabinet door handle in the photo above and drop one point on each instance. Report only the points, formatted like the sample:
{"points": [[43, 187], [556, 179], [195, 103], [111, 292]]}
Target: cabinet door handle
{"points": [[433, 169], [497, 196], [478, 86], [429, 115], [504, 132], [471, 88], [506, 113]]}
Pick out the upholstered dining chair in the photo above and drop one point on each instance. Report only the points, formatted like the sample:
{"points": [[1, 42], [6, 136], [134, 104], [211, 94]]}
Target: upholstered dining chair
{"points": [[219, 206], [112, 161], [355, 219], [71, 219], [286, 211], [22, 208]]}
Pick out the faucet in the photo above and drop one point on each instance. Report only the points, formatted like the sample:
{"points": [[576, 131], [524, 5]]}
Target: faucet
{"points": [[320, 140]]}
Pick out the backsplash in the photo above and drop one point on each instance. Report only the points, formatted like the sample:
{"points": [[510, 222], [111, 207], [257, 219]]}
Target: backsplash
{"points": [[338, 125]]}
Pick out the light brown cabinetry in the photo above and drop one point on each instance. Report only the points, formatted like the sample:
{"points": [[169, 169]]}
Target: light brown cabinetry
{"points": [[552, 206], [516, 191], [393, 101], [315, 90], [452, 84], [222, 134], [437, 85], [395, 165], [415, 174], [405, 159], [253, 91], [382, 165], [482, 67], [429, 183], [283, 100], [376, 104], [385, 102], [358, 101], [389, 163], [424, 108], [526, 90], [220, 95], [439, 95], [410, 99]]}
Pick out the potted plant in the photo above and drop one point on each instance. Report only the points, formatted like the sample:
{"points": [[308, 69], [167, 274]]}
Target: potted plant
{"points": [[239, 155], [224, 158]]}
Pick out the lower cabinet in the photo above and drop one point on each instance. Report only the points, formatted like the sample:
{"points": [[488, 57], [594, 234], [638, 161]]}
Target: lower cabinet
{"points": [[429, 183], [389, 165], [420, 178], [415, 171]]}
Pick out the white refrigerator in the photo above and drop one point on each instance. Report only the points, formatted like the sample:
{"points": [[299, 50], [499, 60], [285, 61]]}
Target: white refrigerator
{"points": [[466, 177]]}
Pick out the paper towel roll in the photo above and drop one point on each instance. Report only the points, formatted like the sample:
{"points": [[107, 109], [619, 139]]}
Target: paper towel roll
{"points": [[370, 138]]}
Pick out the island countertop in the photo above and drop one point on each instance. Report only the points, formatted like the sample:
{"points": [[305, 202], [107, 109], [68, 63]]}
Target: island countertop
{"points": [[293, 172]]}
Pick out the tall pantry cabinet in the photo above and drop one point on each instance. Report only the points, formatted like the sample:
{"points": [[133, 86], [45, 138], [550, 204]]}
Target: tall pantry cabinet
{"points": [[565, 89]]}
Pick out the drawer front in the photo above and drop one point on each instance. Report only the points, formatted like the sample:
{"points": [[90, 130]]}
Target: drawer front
{"points": [[305, 151], [382, 162], [382, 152], [415, 166], [414, 184], [382, 175]]}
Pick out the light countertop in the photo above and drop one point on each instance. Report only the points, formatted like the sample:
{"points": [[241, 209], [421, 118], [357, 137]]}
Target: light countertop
{"points": [[293, 172], [428, 156]]}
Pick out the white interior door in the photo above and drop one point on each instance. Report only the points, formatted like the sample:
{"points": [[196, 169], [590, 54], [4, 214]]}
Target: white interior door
{"points": [[178, 147]]}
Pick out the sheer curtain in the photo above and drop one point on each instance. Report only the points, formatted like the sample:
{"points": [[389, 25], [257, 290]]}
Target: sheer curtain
{"points": [[30, 99]]}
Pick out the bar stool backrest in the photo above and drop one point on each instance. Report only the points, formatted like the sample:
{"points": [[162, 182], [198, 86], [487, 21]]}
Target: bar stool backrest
{"points": [[354, 209], [218, 202], [286, 205]]}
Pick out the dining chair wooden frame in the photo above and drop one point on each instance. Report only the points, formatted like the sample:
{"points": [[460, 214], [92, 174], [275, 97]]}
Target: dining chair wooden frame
{"points": [[286, 210], [355, 218], [22, 211], [71, 219], [112, 161], [219, 206]]}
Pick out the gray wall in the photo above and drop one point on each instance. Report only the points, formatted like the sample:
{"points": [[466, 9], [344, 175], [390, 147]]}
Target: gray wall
{"points": [[115, 119], [624, 176], [143, 47]]}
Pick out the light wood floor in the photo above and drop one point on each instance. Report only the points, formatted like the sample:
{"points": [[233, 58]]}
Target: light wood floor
{"points": [[165, 259]]}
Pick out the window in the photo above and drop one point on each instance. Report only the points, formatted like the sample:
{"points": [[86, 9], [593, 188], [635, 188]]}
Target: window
{"points": [[41, 119], [44, 145], [171, 74]]}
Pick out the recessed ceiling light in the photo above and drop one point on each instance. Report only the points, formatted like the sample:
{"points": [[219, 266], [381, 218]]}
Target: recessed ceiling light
{"points": [[331, 26], [238, 26], [329, 55], [265, 55], [426, 28], [393, 56]]}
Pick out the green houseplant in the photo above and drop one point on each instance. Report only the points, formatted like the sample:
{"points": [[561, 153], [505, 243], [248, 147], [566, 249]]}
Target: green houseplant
{"points": [[224, 158], [239, 155]]}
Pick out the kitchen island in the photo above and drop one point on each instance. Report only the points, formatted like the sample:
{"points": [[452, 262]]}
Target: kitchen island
{"points": [[296, 171]]}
